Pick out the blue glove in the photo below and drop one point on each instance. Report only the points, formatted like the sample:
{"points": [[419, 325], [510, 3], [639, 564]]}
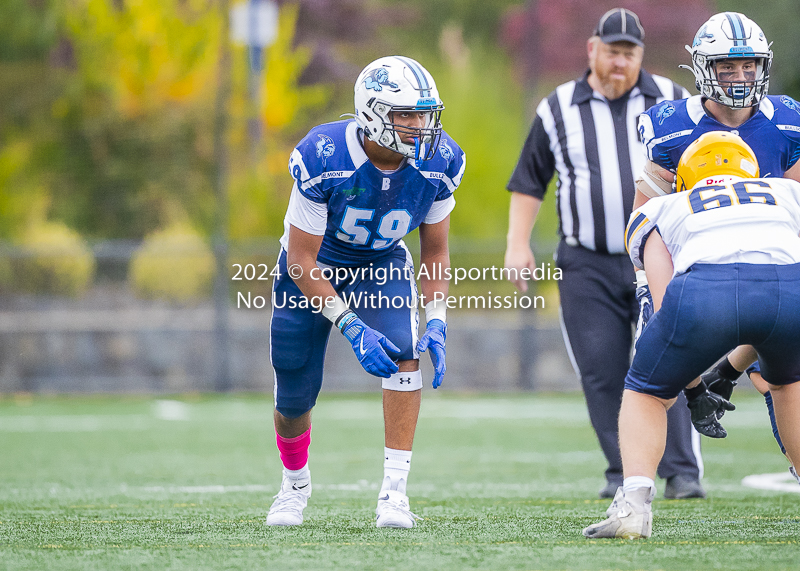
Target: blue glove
{"points": [[434, 337], [369, 345], [645, 300]]}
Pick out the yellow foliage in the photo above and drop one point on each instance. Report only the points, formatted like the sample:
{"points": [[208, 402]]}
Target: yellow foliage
{"points": [[149, 52], [174, 264], [53, 260], [260, 182], [283, 99], [22, 197], [255, 210]]}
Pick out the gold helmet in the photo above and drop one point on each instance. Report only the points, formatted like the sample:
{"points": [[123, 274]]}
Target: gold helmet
{"points": [[713, 154]]}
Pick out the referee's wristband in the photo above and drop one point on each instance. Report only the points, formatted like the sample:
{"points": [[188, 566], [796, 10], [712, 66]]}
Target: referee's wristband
{"points": [[436, 309]]}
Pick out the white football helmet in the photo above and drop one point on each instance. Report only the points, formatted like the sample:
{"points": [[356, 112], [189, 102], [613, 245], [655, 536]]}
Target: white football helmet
{"points": [[726, 36], [398, 84]]}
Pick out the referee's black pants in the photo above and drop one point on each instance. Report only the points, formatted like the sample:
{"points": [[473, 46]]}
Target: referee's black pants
{"points": [[599, 311]]}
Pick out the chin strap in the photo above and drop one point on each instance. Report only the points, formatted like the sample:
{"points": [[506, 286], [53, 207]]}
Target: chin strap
{"points": [[417, 160]]}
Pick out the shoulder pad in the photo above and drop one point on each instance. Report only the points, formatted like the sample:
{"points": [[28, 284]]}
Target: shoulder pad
{"points": [[320, 154], [325, 147], [447, 164], [786, 118], [669, 115], [787, 115], [662, 127]]}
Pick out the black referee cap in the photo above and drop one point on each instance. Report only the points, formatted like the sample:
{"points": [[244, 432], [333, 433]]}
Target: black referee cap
{"points": [[620, 25]]}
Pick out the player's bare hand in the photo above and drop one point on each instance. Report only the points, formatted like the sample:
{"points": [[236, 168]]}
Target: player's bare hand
{"points": [[516, 260]]}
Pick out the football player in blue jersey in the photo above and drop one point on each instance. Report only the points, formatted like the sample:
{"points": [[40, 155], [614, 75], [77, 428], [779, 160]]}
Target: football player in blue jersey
{"points": [[360, 186], [731, 60]]}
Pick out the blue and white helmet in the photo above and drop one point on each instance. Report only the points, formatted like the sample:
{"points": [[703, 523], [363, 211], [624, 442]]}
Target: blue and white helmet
{"points": [[726, 36], [392, 84]]}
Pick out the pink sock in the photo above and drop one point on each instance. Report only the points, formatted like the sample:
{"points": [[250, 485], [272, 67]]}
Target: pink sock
{"points": [[294, 451]]}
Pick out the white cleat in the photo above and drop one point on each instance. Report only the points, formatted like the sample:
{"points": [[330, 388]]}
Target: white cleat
{"points": [[793, 472], [287, 509], [393, 510], [631, 516], [616, 504]]}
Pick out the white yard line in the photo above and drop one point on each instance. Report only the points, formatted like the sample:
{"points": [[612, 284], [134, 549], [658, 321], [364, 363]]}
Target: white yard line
{"points": [[778, 482], [360, 486], [203, 489]]}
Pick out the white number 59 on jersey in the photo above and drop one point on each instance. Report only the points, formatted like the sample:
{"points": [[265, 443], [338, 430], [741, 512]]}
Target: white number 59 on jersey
{"points": [[392, 226]]}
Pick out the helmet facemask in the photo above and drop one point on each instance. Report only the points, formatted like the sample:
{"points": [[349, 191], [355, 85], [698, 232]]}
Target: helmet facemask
{"points": [[426, 139], [735, 94]]}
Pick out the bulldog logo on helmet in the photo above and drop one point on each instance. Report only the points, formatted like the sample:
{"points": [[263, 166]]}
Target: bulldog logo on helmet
{"points": [[378, 79], [702, 35]]}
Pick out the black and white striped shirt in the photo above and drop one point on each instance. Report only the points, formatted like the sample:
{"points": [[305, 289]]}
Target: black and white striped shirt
{"points": [[594, 146]]}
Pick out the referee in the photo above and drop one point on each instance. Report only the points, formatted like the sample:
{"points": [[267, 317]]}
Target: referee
{"points": [[585, 131]]}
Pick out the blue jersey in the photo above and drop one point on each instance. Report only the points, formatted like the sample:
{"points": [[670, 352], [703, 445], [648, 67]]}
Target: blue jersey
{"points": [[361, 211], [773, 132]]}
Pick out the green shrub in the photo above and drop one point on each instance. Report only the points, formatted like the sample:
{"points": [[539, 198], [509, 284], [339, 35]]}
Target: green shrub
{"points": [[173, 264], [52, 259]]}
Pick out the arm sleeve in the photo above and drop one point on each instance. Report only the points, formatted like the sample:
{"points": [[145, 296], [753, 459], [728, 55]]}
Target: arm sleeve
{"points": [[650, 182], [440, 210], [636, 234], [659, 141], [536, 164], [794, 187], [646, 134], [305, 214], [306, 174]]}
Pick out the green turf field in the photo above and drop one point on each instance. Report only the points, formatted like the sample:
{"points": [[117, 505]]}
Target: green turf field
{"points": [[503, 482]]}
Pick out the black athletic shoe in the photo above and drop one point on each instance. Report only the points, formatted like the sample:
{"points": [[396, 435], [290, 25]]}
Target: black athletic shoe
{"points": [[610, 489], [683, 487]]}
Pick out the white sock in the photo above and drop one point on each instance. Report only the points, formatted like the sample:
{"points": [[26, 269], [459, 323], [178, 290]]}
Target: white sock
{"points": [[396, 465], [298, 475], [635, 482]]}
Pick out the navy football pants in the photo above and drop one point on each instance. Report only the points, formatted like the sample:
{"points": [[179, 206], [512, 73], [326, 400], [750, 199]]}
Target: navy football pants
{"points": [[711, 309], [299, 337], [599, 309]]}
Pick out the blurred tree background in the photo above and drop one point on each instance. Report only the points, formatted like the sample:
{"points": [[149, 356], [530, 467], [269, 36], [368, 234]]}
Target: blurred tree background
{"points": [[107, 106]]}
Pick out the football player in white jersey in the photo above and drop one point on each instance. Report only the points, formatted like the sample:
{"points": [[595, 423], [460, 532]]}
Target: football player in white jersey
{"points": [[731, 244], [361, 185], [731, 61]]}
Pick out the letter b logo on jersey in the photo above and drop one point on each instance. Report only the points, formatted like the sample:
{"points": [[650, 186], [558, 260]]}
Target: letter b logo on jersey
{"points": [[386, 183]]}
